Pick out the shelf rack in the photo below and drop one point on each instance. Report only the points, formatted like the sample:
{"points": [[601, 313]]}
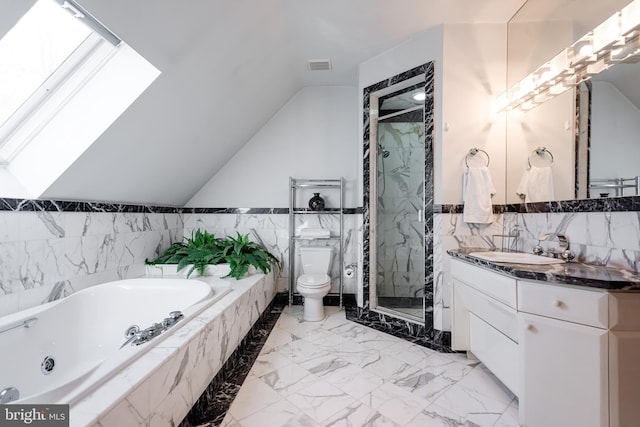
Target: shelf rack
{"points": [[299, 184], [617, 185]]}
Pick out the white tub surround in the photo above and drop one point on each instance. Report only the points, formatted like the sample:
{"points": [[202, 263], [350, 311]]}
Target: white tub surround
{"points": [[162, 385], [70, 346]]}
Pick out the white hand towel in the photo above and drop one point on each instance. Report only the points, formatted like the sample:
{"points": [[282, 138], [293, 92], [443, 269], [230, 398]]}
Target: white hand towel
{"points": [[521, 191], [538, 186], [478, 190]]}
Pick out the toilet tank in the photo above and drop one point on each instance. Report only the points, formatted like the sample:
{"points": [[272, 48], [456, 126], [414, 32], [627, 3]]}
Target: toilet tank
{"points": [[316, 259]]}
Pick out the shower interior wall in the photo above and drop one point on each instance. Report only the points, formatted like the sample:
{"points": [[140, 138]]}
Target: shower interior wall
{"points": [[400, 201]]}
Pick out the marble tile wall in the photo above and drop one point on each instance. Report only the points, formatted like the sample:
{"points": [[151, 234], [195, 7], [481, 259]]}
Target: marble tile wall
{"points": [[451, 232], [50, 249], [272, 230], [46, 254], [605, 238], [609, 239]]}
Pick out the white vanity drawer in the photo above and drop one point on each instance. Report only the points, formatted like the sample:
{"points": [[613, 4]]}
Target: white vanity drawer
{"points": [[574, 305], [495, 313], [496, 351], [496, 285]]}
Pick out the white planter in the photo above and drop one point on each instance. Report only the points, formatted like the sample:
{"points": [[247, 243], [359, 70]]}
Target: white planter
{"points": [[171, 270]]}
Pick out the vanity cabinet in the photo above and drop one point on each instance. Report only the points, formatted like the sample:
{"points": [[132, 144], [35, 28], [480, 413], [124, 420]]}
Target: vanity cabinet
{"points": [[576, 349], [564, 371], [485, 320]]}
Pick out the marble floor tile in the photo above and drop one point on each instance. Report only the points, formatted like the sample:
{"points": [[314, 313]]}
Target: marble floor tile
{"points": [[435, 416], [283, 413], [394, 403], [253, 396], [300, 351], [353, 380], [477, 396], [288, 379], [320, 400], [278, 338], [358, 415], [269, 360], [411, 353], [509, 418], [337, 373]]}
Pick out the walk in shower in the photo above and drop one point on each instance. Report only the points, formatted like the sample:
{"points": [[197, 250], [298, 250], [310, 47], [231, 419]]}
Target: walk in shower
{"points": [[399, 247], [400, 202]]}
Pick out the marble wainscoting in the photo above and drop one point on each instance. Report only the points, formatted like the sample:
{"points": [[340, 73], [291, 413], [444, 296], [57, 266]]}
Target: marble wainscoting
{"points": [[271, 229], [451, 232], [605, 238], [163, 384], [50, 249]]}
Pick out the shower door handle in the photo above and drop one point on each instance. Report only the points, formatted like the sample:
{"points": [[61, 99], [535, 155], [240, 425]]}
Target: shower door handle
{"points": [[420, 216]]}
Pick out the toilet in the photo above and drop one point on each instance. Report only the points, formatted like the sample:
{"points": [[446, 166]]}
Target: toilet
{"points": [[314, 283]]}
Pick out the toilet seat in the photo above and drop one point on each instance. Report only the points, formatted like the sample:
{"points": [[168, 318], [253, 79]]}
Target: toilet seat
{"points": [[312, 281]]}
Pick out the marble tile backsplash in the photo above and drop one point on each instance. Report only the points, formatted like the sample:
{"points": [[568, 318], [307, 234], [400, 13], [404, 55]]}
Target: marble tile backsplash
{"points": [[609, 239]]}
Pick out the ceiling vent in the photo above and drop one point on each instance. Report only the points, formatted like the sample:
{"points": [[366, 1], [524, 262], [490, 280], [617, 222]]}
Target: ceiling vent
{"points": [[319, 64]]}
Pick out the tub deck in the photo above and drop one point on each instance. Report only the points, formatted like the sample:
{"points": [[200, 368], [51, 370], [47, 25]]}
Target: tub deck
{"points": [[161, 386]]}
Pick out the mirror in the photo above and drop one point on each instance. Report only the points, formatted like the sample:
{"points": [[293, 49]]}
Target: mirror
{"points": [[539, 31], [614, 132]]}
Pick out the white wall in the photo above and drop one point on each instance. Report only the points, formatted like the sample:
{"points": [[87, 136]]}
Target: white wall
{"points": [[615, 126], [474, 76], [424, 47], [313, 136]]}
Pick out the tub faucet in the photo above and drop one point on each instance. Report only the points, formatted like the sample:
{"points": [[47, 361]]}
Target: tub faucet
{"points": [[137, 336]]}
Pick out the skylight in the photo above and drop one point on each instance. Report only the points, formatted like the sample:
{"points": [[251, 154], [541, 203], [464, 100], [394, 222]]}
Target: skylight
{"points": [[33, 49], [64, 79]]}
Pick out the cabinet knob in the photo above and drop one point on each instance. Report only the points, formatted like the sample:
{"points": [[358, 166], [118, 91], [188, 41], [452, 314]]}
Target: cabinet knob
{"points": [[558, 303], [530, 327]]}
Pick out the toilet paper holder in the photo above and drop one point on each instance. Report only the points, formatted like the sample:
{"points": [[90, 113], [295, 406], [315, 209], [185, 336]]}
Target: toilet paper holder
{"points": [[350, 270]]}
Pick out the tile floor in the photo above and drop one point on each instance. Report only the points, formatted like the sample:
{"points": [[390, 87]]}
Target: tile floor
{"points": [[339, 373]]}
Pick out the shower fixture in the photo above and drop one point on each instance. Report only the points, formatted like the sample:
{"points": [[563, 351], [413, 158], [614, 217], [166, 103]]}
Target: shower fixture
{"points": [[381, 150]]}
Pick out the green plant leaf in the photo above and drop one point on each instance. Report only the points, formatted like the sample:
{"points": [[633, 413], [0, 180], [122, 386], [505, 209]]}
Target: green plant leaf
{"points": [[203, 249]]}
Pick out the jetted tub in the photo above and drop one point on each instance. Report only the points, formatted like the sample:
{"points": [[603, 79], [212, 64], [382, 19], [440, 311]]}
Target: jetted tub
{"points": [[73, 345]]}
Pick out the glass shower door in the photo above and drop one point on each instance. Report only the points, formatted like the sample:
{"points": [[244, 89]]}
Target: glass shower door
{"points": [[399, 216]]}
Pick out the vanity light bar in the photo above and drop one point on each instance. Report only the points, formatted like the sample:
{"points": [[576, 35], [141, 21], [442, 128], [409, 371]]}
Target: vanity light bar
{"points": [[615, 40]]}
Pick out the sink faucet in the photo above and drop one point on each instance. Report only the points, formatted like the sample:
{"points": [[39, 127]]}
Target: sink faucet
{"points": [[563, 246]]}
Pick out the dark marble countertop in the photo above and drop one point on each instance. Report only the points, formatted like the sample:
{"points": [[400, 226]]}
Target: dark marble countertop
{"points": [[570, 273]]}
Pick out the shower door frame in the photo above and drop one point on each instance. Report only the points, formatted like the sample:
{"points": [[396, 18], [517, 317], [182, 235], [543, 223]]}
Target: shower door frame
{"points": [[374, 120], [371, 311]]}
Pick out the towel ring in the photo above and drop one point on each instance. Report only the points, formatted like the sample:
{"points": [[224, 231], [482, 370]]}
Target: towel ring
{"points": [[473, 152], [540, 151]]}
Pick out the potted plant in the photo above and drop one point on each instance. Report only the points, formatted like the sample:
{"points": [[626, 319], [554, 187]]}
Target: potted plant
{"points": [[204, 249]]}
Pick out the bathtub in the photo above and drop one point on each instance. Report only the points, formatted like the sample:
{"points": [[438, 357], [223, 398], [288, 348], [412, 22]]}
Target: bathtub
{"points": [[73, 345]]}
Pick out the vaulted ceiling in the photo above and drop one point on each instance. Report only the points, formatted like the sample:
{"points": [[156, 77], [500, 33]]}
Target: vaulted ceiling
{"points": [[227, 68]]}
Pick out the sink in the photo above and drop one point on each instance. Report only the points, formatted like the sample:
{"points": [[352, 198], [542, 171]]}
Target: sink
{"points": [[516, 258]]}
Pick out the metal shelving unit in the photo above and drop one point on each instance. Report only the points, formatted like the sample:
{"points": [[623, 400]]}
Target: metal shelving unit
{"points": [[299, 184]]}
